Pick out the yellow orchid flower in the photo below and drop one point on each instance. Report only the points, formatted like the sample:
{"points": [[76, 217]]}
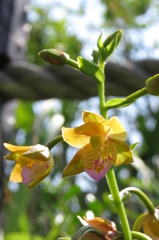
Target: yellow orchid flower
{"points": [[149, 223], [102, 144], [33, 163], [105, 226]]}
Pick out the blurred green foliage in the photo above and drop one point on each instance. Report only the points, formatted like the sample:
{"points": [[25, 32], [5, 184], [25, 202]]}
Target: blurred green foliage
{"points": [[50, 210], [49, 33]]}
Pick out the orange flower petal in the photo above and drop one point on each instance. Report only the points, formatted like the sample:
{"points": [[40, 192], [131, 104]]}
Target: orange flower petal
{"points": [[124, 153], [92, 117], [16, 174], [103, 225], [80, 136], [117, 131]]}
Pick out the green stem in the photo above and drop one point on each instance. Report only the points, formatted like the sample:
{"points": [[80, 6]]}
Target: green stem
{"points": [[146, 201], [72, 63], [54, 142], [139, 236], [101, 93], [111, 179], [128, 100], [118, 203], [140, 93]]}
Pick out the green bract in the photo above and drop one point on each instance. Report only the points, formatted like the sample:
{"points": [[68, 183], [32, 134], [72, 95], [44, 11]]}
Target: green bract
{"points": [[90, 69]]}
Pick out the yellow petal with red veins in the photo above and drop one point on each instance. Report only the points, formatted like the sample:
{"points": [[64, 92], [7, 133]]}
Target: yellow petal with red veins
{"points": [[75, 166], [80, 136], [117, 131], [89, 156], [92, 117], [124, 153], [16, 174]]}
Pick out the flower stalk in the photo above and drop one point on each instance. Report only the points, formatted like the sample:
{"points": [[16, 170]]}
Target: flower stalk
{"points": [[110, 176], [146, 201], [54, 142]]}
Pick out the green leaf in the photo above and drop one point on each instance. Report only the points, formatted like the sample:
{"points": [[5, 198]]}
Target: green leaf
{"points": [[112, 41], [117, 103], [90, 69], [99, 42], [133, 145], [95, 56]]}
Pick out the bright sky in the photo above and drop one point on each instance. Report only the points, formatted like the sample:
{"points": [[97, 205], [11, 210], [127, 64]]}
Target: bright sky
{"points": [[81, 26]]}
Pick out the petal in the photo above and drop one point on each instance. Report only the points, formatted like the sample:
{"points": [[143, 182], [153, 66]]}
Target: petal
{"points": [[117, 131], [37, 153], [92, 117], [16, 174], [124, 153], [139, 222], [39, 178], [97, 156], [16, 151], [75, 166], [13, 148], [80, 136], [97, 175], [151, 226], [89, 156], [36, 173], [13, 156], [98, 161], [103, 225]]}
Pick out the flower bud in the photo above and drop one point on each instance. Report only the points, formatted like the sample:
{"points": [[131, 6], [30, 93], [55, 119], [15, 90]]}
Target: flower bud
{"points": [[152, 85], [54, 57]]}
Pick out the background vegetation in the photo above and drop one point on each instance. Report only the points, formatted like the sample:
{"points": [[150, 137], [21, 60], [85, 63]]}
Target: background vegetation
{"points": [[50, 210]]}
